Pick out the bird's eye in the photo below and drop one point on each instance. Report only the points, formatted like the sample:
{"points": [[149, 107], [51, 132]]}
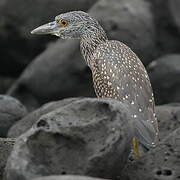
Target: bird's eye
{"points": [[62, 22]]}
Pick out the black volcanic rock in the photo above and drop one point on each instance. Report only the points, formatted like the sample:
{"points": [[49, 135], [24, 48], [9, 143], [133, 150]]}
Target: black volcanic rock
{"points": [[5, 83], [131, 22], [6, 145], [164, 74], [11, 110], [87, 137], [167, 35], [174, 8], [168, 116], [57, 73], [66, 178], [162, 163], [26, 123]]}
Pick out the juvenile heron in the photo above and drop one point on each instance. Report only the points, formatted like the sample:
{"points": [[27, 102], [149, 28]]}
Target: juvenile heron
{"points": [[117, 71]]}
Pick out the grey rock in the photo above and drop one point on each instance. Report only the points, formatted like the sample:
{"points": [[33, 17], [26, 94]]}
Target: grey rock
{"points": [[167, 35], [5, 83], [87, 137], [130, 22], [168, 116], [31, 103], [57, 73], [67, 178], [18, 18], [162, 163], [164, 74], [11, 110], [174, 9], [6, 145], [26, 123]]}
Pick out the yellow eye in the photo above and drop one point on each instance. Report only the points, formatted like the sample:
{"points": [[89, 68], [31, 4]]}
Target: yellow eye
{"points": [[62, 22]]}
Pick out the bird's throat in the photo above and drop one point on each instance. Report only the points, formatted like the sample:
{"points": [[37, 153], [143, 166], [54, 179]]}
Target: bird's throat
{"points": [[88, 45]]}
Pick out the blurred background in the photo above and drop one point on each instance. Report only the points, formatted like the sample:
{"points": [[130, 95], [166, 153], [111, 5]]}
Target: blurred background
{"points": [[39, 69]]}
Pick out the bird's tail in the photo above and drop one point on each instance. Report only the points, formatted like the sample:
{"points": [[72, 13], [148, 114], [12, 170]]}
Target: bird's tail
{"points": [[145, 134]]}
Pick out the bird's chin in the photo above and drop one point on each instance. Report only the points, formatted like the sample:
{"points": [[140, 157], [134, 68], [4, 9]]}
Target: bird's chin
{"points": [[58, 34], [55, 34], [63, 37]]}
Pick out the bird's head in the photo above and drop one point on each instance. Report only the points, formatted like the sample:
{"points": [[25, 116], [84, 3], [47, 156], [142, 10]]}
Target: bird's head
{"points": [[73, 24]]}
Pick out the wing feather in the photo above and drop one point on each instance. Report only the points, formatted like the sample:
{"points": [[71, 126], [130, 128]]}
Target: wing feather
{"points": [[118, 73]]}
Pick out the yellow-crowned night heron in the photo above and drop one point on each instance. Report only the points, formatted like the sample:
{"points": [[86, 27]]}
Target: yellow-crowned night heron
{"points": [[117, 71]]}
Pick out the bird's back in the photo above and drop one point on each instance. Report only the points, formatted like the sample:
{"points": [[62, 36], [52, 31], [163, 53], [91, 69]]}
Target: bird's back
{"points": [[118, 73]]}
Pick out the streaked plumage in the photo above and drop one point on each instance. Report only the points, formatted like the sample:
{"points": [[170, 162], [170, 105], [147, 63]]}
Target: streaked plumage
{"points": [[117, 71]]}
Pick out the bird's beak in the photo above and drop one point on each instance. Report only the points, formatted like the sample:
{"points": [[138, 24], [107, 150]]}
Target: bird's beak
{"points": [[49, 28]]}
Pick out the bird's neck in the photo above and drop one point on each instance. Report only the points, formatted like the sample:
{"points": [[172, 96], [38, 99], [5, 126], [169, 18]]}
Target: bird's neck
{"points": [[88, 44]]}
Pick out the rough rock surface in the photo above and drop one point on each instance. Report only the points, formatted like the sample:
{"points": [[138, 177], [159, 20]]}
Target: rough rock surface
{"points": [[164, 74], [57, 73], [18, 18], [67, 178], [130, 22], [11, 110], [26, 123], [88, 137], [6, 145], [162, 163], [168, 116]]}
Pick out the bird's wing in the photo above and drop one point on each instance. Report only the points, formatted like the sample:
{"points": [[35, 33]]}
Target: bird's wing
{"points": [[145, 133], [118, 73]]}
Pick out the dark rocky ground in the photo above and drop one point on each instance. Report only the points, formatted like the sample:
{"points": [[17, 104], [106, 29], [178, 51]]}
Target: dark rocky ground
{"points": [[49, 129]]}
